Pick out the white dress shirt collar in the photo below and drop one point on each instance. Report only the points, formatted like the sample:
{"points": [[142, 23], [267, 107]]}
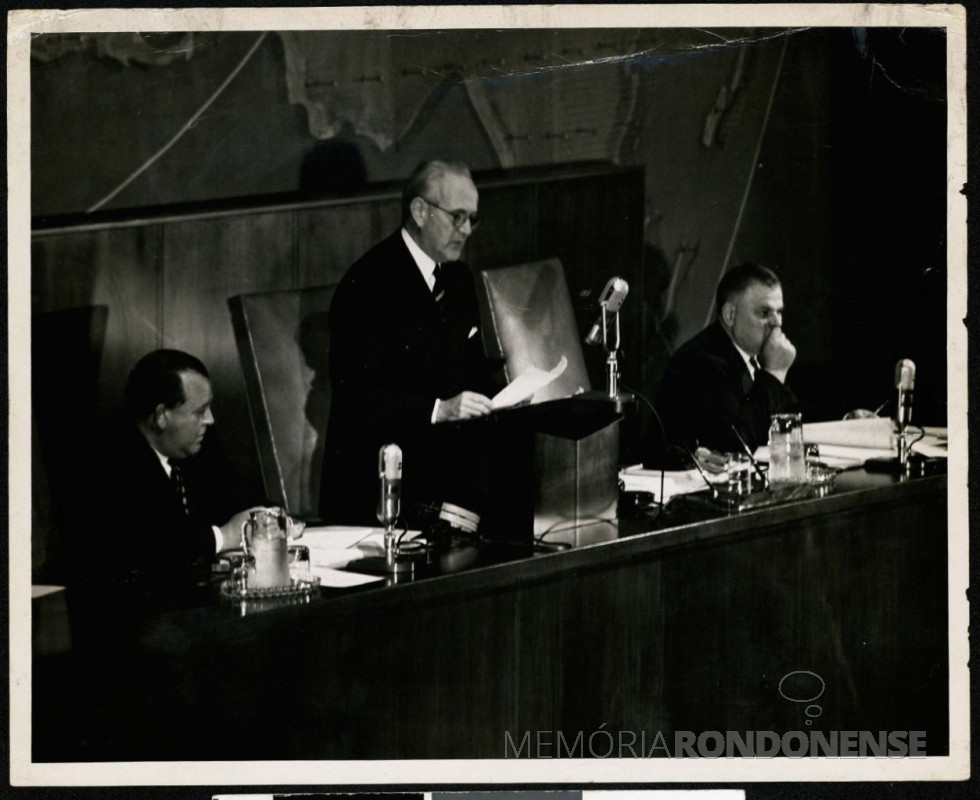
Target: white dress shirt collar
{"points": [[422, 260], [164, 461]]}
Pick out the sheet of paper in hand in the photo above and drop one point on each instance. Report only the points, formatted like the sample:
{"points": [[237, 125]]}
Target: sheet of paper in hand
{"points": [[525, 385]]}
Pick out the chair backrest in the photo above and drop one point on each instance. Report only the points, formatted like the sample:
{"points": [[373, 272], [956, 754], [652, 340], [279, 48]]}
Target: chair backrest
{"points": [[283, 341], [66, 356], [534, 324]]}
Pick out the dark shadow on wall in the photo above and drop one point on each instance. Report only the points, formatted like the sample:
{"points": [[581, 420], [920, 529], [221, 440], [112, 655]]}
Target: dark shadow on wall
{"points": [[659, 331], [313, 336], [333, 167]]}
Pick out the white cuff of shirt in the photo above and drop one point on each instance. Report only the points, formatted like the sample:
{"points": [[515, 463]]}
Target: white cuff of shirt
{"points": [[218, 539], [435, 411]]}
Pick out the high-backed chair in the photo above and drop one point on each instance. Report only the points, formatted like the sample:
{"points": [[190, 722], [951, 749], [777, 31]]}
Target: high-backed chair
{"points": [[283, 342], [533, 324], [574, 447], [66, 356]]}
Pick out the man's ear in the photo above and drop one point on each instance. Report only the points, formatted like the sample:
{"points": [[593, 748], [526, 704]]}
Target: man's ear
{"points": [[728, 313], [159, 417], [419, 210]]}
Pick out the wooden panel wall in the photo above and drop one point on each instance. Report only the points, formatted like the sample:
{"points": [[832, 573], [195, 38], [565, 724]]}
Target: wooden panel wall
{"points": [[166, 279]]}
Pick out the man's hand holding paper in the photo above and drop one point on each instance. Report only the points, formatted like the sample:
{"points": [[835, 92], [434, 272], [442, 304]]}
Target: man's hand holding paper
{"points": [[526, 385]]}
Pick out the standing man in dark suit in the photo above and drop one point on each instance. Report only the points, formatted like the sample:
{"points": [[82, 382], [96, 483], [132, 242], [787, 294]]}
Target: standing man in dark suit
{"points": [[164, 499], [731, 374], [406, 354]]}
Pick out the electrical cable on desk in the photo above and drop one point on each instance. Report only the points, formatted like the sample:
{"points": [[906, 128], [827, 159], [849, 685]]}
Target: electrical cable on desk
{"points": [[917, 439], [539, 539], [402, 535], [663, 438]]}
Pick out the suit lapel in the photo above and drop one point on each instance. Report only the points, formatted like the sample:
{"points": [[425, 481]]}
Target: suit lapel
{"points": [[735, 361]]}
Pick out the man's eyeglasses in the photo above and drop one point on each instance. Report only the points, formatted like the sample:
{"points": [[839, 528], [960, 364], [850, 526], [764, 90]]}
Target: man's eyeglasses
{"points": [[459, 216]]}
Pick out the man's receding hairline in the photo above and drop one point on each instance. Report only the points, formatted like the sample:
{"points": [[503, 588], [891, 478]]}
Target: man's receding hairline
{"points": [[740, 279], [435, 180], [182, 371], [757, 282]]}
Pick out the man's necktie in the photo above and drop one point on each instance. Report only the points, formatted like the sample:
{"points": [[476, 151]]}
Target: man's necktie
{"points": [[438, 290], [177, 476]]}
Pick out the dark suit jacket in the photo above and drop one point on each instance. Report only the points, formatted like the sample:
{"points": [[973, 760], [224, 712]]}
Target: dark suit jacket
{"points": [[391, 356], [134, 526], [707, 388]]}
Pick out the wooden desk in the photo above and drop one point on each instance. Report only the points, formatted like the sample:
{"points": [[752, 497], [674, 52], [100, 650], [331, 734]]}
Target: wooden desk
{"points": [[673, 625]]}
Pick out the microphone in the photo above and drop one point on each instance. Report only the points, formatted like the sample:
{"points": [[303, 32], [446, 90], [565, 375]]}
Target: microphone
{"points": [[611, 300], [905, 383], [390, 474], [704, 476]]}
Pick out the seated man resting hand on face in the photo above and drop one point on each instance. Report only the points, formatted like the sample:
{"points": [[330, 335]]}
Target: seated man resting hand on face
{"points": [[730, 377]]}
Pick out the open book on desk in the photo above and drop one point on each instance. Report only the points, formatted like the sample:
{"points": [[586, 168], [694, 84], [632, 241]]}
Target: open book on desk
{"points": [[526, 385]]}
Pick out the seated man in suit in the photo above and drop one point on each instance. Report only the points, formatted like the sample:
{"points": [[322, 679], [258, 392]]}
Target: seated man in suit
{"points": [[406, 354], [732, 375], [164, 498]]}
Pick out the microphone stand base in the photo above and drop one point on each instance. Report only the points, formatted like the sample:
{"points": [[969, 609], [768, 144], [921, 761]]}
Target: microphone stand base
{"points": [[918, 466], [888, 466], [621, 400]]}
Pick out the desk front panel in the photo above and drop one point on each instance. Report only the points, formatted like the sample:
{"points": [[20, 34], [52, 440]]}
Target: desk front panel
{"points": [[692, 627]]}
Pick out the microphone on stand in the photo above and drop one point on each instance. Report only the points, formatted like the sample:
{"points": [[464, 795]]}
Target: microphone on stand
{"points": [[388, 512], [610, 301], [390, 475], [390, 499], [905, 383]]}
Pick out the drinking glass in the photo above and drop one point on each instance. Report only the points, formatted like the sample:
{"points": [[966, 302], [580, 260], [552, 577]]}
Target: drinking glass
{"points": [[265, 536], [739, 475], [299, 562], [787, 461]]}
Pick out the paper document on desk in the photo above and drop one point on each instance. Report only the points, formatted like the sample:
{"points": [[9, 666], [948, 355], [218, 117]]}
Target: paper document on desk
{"points": [[875, 433], [836, 456], [338, 545], [41, 590], [638, 479], [335, 546], [933, 444], [340, 579], [335, 537], [525, 385]]}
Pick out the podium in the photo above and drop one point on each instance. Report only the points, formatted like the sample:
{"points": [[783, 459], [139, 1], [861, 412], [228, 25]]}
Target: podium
{"points": [[548, 467]]}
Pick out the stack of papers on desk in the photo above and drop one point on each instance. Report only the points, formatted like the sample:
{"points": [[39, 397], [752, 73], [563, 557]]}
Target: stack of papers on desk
{"points": [[335, 546], [849, 443], [638, 479], [933, 444], [836, 456], [875, 433], [338, 545]]}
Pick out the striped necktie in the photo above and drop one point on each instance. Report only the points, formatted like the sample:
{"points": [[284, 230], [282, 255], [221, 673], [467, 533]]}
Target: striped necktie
{"points": [[177, 476], [438, 290]]}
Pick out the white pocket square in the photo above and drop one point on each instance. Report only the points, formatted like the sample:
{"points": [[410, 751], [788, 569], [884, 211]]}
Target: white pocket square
{"points": [[472, 332]]}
